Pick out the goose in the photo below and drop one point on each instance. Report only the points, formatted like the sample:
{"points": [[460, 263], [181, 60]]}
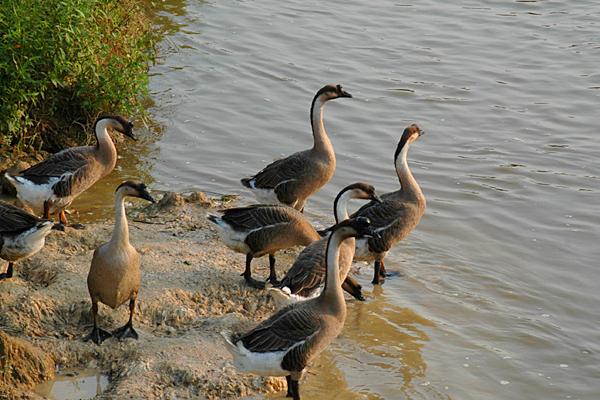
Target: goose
{"points": [[287, 342], [51, 185], [398, 213], [21, 235], [114, 275], [292, 180], [263, 229], [304, 280]]}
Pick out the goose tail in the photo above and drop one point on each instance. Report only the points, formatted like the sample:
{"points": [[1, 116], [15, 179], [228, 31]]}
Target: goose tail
{"points": [[281, 296], [247, 182]]}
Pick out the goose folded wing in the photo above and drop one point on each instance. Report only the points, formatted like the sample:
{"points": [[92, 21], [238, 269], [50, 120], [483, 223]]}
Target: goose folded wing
{"points": [[280, 172], [388, 220], [289, 327], [13, 220], [308, 271], [257, 216]]}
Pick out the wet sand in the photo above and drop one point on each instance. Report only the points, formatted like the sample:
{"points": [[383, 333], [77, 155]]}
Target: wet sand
{"points": [[191, 291]]}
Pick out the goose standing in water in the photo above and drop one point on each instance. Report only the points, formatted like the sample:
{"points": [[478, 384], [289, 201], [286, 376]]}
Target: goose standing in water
{"points": [[285, 343], [305, 278], [21, 235], [114, 275], [398, 213], [51, 185], [263, 229], [295, 178]]}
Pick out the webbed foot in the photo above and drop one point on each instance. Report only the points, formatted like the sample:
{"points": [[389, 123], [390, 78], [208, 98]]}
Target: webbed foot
{"points": [[125, 332], [254, 283], [97, 336]]}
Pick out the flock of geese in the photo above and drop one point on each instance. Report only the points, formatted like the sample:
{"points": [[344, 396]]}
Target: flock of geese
{"points": [[310, 297]]}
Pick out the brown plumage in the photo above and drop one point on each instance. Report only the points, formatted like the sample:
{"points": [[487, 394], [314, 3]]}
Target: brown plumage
{"points": [[51, 185], [263, 229], [292, 180], [21, 235], [115, 275], [398, 213], [306, 276], [287, 342]]}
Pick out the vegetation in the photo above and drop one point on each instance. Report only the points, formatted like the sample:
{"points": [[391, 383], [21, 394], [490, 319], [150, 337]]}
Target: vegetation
{"points": [[63, 62]]}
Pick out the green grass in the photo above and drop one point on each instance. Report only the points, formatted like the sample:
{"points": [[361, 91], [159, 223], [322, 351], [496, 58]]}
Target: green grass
{"points": [[63, 62]]}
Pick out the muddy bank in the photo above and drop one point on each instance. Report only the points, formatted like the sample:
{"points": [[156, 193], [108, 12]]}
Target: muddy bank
{"points": [[191, 291]]}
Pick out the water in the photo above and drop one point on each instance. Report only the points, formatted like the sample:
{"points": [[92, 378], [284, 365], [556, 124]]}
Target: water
{"points": [[74, 385], [500, 293]]}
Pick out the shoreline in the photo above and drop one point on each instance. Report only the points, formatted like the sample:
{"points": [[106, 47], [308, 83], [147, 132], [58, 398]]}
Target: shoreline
{"points": [[191, 291]]}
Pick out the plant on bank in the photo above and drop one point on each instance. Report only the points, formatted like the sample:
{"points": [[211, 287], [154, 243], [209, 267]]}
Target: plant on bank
{"points": [[64, 61]]}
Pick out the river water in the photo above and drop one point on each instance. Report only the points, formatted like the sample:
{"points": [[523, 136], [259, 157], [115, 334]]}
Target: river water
{"points": [[500, 292]]}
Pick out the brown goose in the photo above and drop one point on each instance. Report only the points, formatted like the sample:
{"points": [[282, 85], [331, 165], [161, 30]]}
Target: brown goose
{"points": [[295, 178], [304, 280], [21, 235], [398, 213], [114, 275], [263, 229], [51, 185], [287, 342]]}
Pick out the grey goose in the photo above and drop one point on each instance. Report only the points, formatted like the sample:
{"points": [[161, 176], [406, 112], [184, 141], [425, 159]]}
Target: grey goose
{"points": [[306, 276], [263, 229], [287, 342], [292, 180], [397, 214], [51, 185], [115, 275], [21, 235]]}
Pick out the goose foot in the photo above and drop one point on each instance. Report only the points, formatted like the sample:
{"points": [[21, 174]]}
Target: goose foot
{"points": [[8, 273], [77, 226], [59, 227], [126, 331], [254, 283], [97, 336], [274, 281]]}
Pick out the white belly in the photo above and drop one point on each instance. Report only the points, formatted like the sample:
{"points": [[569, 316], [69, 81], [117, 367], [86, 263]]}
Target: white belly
{"points": [[26, 244]]}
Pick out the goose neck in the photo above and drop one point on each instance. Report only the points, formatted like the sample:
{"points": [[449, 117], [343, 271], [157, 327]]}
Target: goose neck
{"points": [[105, 148], [322, 143], [408, 183], [332, 294], [340, 206], [120, 235]]}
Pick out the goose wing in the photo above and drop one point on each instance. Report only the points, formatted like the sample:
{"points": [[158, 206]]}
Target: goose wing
{"points": [[71, 166], [13, 220], [258, 216], [289, 327], [388, 220], [308, 271]]}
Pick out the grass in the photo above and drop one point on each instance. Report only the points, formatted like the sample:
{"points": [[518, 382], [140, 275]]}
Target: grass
{"points": [[63, 62]]}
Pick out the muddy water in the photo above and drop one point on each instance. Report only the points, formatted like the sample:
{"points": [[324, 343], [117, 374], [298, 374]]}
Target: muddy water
{"points": [[74, 385], [500, 293]]}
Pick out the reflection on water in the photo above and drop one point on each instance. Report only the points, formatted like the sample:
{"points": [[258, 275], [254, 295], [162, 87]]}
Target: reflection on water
{"points": [[74, 385]]}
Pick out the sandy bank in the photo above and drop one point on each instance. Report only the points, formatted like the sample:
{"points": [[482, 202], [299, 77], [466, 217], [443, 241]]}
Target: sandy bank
{"points": [[191, 290]]}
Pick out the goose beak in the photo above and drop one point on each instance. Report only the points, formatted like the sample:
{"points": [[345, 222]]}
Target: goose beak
{"points": [[370, 233], [129, 131], [345, 94], [146, 196], [421, 133]]}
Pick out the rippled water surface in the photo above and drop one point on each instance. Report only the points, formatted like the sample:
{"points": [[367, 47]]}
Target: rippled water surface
{"points": [[500, 292]]}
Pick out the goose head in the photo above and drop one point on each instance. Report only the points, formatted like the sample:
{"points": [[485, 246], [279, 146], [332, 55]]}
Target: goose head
{"points": [[361, 190], [135, 189], [117, 123], [411, 133], [355, 227], [330, 92]]}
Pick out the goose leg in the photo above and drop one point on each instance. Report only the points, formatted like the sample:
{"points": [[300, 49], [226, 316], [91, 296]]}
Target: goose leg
{"points": [[295, 389], [47, 210], [248, 274], [377, 277], [97, 335], [351, 286], [8, 273], [288, 379], [63, 220], [127, 331], [272, 272]]}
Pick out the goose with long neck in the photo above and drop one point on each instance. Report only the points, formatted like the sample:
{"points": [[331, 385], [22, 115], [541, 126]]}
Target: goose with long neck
{"points": [[305, 278], [287, 342], [21, 235], [292, 180], [398, 213], [51, 185], [115, 276], [263, 229]]}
